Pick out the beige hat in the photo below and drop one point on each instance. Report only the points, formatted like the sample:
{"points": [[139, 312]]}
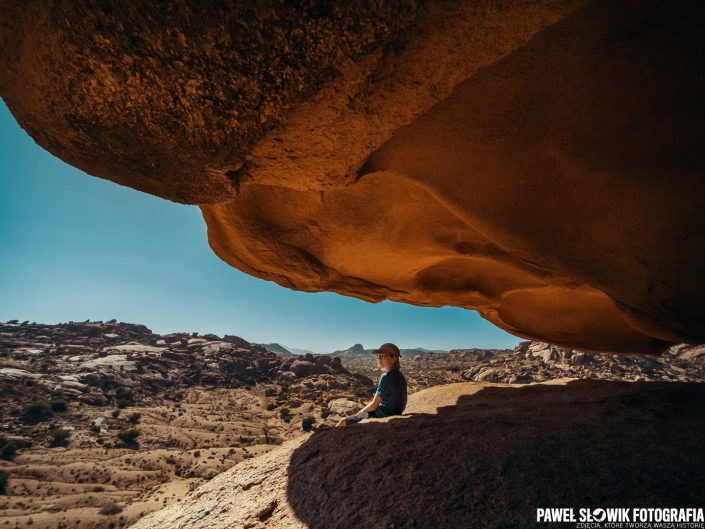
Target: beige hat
{"points": [[387, 349]]}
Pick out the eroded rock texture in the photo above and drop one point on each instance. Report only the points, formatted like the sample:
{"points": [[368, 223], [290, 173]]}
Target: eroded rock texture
{"points": [[541, 162]]}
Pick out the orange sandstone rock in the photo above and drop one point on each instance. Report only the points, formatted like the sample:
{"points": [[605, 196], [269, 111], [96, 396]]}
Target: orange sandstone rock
{"points": [[541, 162]]}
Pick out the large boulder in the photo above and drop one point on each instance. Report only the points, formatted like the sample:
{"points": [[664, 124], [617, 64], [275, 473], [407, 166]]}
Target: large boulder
{"points": [[302, 368], [540, 162]]}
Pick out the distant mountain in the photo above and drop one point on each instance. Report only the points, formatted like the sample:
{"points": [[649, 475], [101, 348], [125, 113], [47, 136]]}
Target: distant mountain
{"points": [[298, 351], [278, 349], [358, 351], [421, 350], [355, 351]]}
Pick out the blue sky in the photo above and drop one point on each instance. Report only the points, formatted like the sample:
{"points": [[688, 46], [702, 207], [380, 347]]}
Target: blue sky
{"points": [[75, 247]]}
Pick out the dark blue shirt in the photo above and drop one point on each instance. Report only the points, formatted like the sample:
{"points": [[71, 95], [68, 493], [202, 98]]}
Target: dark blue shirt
{"points": [[391, 388]]}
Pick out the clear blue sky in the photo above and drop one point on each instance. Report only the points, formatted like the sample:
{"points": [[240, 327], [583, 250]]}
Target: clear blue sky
{"points": [[75, 247]]}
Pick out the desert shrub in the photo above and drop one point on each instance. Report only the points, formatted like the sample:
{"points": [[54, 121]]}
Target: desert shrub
{"points": [[284, 414], [209, 474], [58, 405], [8, 451], [271, 406], [123, 397], [4, 477], [134, 418], [98, 489], [37, 411], [60, 437], [307, 423], [9, 447], [270, 392], [115, 414], [325, 412], [129, 437], [109, 509]]}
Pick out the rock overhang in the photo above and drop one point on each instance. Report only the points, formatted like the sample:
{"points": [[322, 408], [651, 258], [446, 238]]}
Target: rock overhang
{"points": [[539, 162]]}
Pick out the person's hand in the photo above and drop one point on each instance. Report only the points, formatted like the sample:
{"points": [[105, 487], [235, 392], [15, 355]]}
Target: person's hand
{"points": [[342, 423]]}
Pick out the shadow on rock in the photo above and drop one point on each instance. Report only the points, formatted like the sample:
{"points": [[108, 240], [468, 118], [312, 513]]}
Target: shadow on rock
{"points": [[495, 456]]}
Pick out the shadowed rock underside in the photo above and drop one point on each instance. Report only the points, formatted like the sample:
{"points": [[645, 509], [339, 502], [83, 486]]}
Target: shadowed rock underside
{"points": [[540, 162]]}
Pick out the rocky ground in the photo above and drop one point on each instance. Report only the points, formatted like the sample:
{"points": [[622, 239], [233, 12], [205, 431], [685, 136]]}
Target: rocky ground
{"points": [[104, 422], [108, 417], [538, 361], [471, 454]]}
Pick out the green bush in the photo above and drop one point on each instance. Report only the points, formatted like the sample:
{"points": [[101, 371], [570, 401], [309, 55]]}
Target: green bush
{"points": [[58, 405], [270, 392], [60, 437], [9, 447], [307, 423], [325, 412], [134, 418], [37, 411], [4, 477], [284, 414], [115, 414], [209, 474], [271, 406], [129, 437], [110, 509], [124, 397], [8, 451]]}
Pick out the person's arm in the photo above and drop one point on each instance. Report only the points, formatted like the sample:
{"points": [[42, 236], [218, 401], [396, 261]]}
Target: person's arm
{"points": [[381, 387], [372, 405]]}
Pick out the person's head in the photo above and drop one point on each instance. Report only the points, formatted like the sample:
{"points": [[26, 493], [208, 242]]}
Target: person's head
{"points": [[388, 356]]}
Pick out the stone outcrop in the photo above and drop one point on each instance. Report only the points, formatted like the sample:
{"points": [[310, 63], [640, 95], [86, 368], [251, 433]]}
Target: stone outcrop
{"points": [[538, 362], [89, 361], [460, 448], [540, 162]]}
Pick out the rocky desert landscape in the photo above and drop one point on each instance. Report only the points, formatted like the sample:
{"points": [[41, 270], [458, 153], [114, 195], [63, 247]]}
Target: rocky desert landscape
{"points": [[105, 422], [470, 454], [102, 422], [540, 162]]}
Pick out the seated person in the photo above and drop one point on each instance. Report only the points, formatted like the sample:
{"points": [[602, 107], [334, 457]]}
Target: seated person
{"points": [[390, 397]]}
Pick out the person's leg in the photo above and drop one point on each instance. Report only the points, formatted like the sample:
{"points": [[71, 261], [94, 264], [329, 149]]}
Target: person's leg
{"points": [[352, 419]]}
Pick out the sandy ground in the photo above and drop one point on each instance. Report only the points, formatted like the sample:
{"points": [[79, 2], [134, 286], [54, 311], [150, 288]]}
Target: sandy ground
{"points": [[181, 445]]}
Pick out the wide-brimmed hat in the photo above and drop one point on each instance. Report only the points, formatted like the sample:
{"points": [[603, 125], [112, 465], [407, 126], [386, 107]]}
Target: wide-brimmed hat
{"points": [[387, 349]]}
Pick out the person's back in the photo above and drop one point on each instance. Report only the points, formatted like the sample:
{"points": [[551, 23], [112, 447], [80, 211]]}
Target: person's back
{"points": [[391, 388]]}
